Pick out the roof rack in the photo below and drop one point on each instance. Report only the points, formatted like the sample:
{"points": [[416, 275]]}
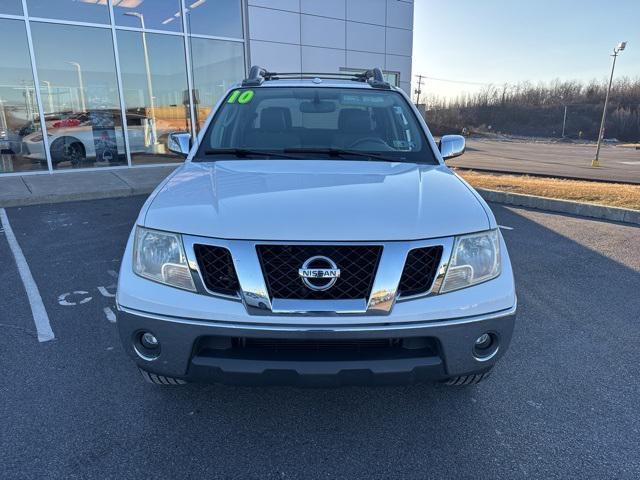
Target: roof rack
{"points": [[258, 75]]}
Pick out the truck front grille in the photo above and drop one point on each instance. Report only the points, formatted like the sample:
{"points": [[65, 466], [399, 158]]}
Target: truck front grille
{"points": [[357, 264], [216, 267], [419, 270]]}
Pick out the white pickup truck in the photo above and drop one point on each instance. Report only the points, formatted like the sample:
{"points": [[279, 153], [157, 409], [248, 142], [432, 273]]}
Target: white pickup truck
{"points": [[315, 236]]}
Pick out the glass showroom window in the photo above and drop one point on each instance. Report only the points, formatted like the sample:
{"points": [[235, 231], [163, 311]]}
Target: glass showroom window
{"points": [[92, 11], [216, 65], [11, 7], [154, 82], [80, 97], [19, 119], [219, 18], [150, 14]]}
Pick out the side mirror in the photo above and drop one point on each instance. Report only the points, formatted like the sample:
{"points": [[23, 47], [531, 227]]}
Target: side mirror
{"points": [[180, 143], [452, 146]]}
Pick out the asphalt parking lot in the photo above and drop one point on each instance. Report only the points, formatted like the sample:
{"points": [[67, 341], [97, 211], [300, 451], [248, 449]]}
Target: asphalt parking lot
{"points": [[563, 402], [571, 160]]}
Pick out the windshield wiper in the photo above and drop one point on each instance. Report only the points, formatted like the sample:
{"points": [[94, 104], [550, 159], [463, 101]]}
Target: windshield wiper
{"points": [[332, 152], [339, 152], [245, 152]]}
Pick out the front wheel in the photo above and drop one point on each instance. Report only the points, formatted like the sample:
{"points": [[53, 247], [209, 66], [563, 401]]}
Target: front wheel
{"points": [[68, 149]]}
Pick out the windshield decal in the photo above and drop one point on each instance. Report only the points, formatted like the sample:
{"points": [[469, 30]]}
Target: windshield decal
{"points": [[234, 96], [241, 97], [364, 100], [245, 97]]}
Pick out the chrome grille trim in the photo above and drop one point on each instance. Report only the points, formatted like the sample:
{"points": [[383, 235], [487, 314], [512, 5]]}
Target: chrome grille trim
{"points": [[253, 289]]}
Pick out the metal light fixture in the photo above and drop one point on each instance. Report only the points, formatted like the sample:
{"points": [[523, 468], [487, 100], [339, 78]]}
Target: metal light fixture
{"points": [[152, 139], [619, 48]]}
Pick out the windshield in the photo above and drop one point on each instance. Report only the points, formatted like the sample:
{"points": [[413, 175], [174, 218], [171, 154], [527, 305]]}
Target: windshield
{"points": [[307, 122]]}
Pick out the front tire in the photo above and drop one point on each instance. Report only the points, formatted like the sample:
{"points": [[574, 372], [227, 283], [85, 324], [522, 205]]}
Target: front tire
{"points": [[160, 379], [464, 380]]}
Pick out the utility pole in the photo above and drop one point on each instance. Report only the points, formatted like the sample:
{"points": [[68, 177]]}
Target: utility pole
{"points": [[418, 90], [621, 46], [564, 121]]}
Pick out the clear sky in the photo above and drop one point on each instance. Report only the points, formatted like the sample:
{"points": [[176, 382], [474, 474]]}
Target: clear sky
{"points": [[498, 41]]}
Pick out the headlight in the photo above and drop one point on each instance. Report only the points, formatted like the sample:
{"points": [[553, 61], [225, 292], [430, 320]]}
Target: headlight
{"points": [[475, 259], [159, 256]]}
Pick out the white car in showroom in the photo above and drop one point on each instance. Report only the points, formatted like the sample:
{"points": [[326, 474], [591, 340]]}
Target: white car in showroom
{"points": [[88, 136], [315, 236]]}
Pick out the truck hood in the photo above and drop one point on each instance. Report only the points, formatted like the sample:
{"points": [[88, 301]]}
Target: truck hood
{"points": [[315, 200]]}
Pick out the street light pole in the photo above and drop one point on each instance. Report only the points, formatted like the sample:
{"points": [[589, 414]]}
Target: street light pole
{"points": [[27, 100], [83, 102], [152, 107], [621, 46], [48, 84], [564, 120]]}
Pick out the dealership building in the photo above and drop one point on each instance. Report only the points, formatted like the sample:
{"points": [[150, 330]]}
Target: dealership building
{"points": [[88, 84]]}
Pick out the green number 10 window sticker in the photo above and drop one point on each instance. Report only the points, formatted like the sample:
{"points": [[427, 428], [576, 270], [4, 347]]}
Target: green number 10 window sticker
{"points": [[241, 97]]}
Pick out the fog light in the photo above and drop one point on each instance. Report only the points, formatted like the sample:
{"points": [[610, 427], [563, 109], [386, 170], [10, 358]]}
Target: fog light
{"points": [[485, 346], [146, 345], [483, 341], [149, 341]]}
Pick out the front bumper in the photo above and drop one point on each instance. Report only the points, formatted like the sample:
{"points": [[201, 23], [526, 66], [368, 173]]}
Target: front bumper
{"points": [[186, 353]]}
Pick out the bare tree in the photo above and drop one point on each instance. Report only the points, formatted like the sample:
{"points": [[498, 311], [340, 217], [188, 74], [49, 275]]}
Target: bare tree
{"points": [[538, 110]]}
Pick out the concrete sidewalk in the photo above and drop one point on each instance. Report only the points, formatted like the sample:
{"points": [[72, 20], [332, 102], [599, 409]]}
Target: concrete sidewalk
{"points": [[68, 186]]}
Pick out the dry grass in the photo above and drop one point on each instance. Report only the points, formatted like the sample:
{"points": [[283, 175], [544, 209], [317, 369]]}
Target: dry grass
{"points": [[610, 194]]}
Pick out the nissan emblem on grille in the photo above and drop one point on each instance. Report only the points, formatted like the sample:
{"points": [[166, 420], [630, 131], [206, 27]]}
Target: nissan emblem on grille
{"points": [[319, 273]]}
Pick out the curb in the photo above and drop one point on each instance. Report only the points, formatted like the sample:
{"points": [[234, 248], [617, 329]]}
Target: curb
{"points": [[589, 210], [74, 197], [542, 175]]}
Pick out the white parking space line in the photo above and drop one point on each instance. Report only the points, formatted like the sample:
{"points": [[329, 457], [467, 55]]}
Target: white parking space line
{"points": [[109, 314], [38, 311], [505, 228], [105, 293]]}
